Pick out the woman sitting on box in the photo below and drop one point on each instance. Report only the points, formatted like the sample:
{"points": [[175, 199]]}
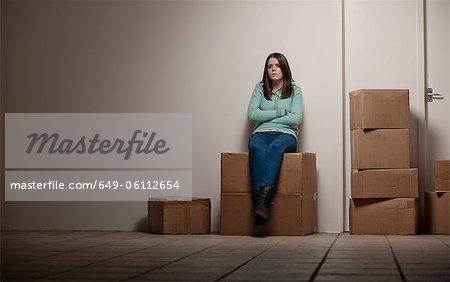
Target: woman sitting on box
{"points": [[276, 108]]}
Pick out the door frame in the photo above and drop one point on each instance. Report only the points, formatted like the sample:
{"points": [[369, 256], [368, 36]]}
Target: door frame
{"points": [[422, 110]]}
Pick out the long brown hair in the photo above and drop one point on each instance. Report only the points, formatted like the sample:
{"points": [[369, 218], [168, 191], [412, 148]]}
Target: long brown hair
{"points": [[287, 77]]}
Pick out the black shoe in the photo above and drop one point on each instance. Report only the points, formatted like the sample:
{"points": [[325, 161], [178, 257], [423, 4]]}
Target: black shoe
{"points": [[254, 196], [262, 202], [259, 221]]}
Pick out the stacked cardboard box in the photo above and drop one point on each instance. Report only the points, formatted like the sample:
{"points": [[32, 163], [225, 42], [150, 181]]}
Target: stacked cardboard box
{"points": [[437, 203], [294, 209], [442, 175], [384, 189], [179, 215]]}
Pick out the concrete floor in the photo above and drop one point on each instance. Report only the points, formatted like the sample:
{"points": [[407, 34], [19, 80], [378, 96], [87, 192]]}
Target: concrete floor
{"points": [[134, 256]]}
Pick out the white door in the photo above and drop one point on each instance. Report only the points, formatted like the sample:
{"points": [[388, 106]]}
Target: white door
{"points": [[437, 78]]}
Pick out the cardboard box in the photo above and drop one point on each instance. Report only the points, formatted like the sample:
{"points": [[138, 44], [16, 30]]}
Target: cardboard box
{"points": [[289, 215], [442, 175], [379, 108], [179, 216], [296, 171], [380, 148], [437, 212], [384, 216], [385, 183], [235, 173]]}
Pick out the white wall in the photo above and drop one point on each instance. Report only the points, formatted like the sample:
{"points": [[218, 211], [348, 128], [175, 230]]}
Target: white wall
{"points": [[382, 50], [168, 56]]}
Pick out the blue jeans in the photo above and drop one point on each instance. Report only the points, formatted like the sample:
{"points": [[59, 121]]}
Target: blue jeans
{"points": [[266, 151]]}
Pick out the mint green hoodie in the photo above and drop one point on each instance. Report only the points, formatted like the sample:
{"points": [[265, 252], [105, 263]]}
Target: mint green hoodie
{"points": [[281, 115]]}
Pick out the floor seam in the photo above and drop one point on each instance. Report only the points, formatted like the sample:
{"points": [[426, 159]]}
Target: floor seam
{"points": [[70, 251], [171, 262], [396, 260], [445, 243], [316, 271], [247, 261], [103, 260], [66, 240], [63, 252]]}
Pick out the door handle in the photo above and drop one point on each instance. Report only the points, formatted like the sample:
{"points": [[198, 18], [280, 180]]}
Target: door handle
{"points": [[431, 96]]}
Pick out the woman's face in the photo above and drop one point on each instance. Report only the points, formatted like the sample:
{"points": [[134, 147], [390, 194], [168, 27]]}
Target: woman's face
{"points": [[274, 70]]}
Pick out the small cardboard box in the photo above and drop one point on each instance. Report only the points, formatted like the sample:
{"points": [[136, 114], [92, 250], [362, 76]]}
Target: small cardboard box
{"points": [[296, 171], [385, 183], [437, 212], [379, 108], [442, 175], [384, 216], [380, 148], [179, 216], [289, 215]]}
